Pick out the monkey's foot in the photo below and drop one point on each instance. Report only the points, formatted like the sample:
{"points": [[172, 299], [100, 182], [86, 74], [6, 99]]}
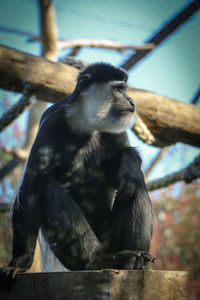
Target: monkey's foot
{"points": [[7, 276], [123, 260]]}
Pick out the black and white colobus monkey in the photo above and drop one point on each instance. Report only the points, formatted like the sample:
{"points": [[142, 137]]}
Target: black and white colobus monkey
{"points": [[83, 184]]}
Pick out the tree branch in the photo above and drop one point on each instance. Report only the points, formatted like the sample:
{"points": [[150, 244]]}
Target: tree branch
{"points": [[48, 29], [48, 34], [168, 120], [160, 154], [18, 68], [105, 44], [49, 50]]}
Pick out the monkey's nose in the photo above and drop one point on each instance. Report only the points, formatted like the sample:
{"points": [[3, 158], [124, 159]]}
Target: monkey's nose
{"points": [[132, 103]]}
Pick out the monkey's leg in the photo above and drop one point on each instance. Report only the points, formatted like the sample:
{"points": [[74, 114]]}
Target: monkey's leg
{"points": [[67, 230], [121, 260], [25, 223]]}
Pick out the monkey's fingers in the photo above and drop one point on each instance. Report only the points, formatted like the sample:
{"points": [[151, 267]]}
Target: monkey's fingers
{"points": [[140, 263], [7, 277], [142, 260], [148, 257]]}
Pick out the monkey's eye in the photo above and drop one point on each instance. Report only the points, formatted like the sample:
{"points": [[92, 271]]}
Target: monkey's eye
{"points": [[120, 88]]}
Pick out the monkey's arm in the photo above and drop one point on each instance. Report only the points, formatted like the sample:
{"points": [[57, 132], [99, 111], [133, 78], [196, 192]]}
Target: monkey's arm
{"points": [[131, 179], [132, 209]]}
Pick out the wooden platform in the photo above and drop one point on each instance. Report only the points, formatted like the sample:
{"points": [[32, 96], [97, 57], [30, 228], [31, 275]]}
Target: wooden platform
{"points": [[99, 285]]}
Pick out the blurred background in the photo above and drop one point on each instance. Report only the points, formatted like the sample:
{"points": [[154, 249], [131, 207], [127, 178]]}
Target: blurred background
{"points": [[170, 67]]}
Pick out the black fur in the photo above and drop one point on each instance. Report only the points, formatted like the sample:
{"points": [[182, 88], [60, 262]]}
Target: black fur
{"points": [[104, 72], [69, 190]]}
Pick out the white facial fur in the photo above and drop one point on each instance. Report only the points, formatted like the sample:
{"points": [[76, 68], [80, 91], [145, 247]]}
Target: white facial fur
{"points": [[93, 111]]}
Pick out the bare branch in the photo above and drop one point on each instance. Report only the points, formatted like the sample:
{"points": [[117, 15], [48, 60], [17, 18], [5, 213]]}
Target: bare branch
{"points": [[106, 44], [48, 29], [74, 51]]}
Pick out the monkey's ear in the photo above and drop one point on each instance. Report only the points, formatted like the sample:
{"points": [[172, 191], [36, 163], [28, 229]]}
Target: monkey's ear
{"points": [[83, 81]]}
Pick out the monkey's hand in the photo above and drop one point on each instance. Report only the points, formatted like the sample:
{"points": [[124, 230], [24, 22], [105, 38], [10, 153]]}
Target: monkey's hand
{"points": [[123, 260], [125, 193], [7, 276]]}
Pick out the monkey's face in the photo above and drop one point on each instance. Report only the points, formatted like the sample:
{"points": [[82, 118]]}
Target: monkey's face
{"points": [[106, 107]]}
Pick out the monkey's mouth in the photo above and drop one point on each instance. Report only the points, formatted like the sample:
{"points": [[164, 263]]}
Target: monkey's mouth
{"points": [[129, 110], [124, 112]]}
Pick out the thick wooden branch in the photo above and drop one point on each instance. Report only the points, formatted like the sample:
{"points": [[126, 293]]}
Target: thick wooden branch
{"points": [[169, 120], [48, 29], [52, 81], [49, 51]]}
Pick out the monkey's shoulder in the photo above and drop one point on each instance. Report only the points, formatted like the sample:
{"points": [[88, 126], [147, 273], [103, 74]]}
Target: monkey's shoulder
{"points": [[57, 109]]}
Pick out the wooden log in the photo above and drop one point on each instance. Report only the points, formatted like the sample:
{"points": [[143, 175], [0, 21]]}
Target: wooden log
{"points": [[52, 81], [100, 285], [170, 121]]}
